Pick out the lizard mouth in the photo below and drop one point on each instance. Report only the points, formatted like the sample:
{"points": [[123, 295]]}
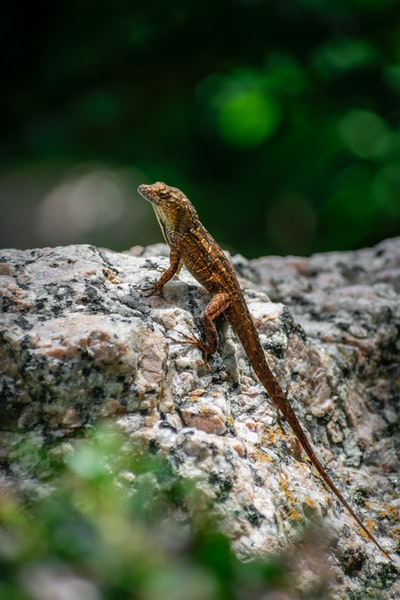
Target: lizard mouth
{"points": [[144, 191]]}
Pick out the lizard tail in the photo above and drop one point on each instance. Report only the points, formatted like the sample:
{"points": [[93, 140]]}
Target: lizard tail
{"points": [[281, 402]]}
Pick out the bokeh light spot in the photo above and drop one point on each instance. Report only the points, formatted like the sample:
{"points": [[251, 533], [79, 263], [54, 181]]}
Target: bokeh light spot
{"points": [[341, 55], [248, 118], [81, 203], [364, 133]]}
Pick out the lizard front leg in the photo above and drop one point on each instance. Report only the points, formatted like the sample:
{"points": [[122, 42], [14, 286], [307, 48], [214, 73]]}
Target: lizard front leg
{"points": [[175, 264]]}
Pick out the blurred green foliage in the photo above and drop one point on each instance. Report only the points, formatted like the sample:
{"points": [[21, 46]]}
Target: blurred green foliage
{"points": [[280, 120], [110, 523]]}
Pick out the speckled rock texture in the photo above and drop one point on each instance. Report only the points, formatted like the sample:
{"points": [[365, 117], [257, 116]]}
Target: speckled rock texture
{"points": [[80, 342]]}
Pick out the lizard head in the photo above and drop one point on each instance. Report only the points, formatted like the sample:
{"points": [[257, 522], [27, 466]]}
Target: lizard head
{"points": [[173, 209]]}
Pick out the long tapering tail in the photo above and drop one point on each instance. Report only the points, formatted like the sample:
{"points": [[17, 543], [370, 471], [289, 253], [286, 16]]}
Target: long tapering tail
{"points": [[282, 404]]}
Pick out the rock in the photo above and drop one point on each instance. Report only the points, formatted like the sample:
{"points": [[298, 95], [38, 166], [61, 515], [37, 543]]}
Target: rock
{"points": [[80, 342]]}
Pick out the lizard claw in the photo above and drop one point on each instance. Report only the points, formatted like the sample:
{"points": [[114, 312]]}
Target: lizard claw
{"points": [[150, 289]]}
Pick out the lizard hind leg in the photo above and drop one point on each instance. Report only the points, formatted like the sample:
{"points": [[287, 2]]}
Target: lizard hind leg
{"points": [[216, 306]]}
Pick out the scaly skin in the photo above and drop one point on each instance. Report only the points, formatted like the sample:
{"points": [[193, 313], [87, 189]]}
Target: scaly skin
{"points": [[191, 244]]}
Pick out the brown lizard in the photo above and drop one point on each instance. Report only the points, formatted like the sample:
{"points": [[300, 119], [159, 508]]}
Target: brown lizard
{"points": [[191, 244]]}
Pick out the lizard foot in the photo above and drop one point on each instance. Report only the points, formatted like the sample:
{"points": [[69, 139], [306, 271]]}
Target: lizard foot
{"points": [[193, 341]]}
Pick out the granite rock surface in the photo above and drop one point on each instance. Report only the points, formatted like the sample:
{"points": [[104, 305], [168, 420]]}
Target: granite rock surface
{"points": [[80, 342]]}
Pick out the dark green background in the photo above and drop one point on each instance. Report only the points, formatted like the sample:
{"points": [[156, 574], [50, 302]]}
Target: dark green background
{"points": [[279, 119]]}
